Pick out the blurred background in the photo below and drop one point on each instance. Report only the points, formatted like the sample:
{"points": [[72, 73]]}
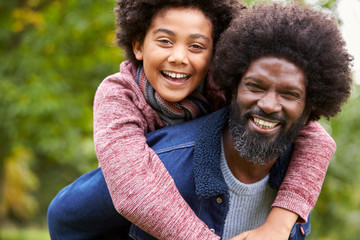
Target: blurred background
{"points": [[53, 55]]}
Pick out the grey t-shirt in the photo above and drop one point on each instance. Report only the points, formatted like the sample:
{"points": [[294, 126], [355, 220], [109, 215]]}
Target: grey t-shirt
{"points": [[250, 204]]}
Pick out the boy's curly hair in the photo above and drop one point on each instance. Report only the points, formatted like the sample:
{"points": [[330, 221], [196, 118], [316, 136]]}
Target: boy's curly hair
{"points": [[134, 17], [308, 37]]}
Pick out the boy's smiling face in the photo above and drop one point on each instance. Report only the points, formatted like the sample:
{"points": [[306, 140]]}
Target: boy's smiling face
{"points": [[176, 52]]}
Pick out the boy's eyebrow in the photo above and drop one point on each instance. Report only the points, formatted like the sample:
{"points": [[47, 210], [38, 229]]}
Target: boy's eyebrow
{"points": [[198, 35], [164, 30], [193, 36]]}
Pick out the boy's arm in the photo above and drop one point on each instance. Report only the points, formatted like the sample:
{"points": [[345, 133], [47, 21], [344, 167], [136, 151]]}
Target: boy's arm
{"points": [[300, 189], [141, 188]]}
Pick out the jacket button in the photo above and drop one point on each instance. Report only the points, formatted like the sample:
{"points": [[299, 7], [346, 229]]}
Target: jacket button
{"points": [[213, 230], [219, 200]]}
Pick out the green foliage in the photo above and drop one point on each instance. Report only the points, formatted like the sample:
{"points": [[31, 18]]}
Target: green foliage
{"points": [[53, 55], [337, 213]]}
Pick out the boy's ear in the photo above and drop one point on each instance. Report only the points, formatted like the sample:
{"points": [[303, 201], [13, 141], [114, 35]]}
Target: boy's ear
{"points": [[138, 50]]}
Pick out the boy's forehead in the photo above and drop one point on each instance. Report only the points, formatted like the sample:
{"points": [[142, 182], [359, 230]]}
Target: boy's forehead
{"points": [[191, 20], [166, 9]]}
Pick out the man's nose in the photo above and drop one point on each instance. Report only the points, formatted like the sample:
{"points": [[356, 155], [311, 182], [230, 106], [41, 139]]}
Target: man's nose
{"points": [[269, 103], [179, 55]]}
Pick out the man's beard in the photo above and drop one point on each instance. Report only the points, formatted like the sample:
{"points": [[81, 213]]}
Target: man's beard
{"points": [[255, 147]]}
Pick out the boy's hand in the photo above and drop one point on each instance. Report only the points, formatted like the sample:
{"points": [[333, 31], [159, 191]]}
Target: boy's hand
{"points": [[263, 232], [276, 227]]}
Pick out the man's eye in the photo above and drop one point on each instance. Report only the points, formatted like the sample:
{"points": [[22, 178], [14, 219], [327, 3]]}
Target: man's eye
{"points": [[254, 87], [291, 95]]}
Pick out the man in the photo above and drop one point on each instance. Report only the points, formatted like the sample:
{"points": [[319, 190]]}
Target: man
{"points": [[280, 67]]}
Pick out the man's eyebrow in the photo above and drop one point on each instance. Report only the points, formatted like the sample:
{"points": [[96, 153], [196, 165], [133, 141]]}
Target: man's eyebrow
{"points": [[254, 79], [192, 36]]}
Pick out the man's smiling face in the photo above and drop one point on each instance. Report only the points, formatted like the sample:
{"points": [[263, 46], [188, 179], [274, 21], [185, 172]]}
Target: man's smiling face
{"points": [[269, 109]]}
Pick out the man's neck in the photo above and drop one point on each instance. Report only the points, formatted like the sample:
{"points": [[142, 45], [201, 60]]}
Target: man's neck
{"points": [[242, 169]]}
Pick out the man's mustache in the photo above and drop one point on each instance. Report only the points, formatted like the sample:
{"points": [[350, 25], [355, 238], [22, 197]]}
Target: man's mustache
{"points": [[259, 112]]}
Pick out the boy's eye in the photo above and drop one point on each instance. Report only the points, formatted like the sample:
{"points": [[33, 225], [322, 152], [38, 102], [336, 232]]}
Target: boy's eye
{"points": [[164, 41], [197, 46]]}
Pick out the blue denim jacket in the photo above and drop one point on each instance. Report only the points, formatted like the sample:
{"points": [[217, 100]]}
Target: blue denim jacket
{"points": [[193, 160], [84, 209]]}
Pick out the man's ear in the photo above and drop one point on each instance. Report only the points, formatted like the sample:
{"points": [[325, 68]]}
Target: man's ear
{"points": [[138, 50]]}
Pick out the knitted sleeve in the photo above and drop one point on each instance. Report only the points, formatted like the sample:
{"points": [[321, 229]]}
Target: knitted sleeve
{"points": [[141, 188], [302, 184]]}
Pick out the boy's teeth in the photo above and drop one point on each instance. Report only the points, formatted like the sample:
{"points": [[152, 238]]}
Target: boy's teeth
{"points": [[264, 124], [175, 75]]}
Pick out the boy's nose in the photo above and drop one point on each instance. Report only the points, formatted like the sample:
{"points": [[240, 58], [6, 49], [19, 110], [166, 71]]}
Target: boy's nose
{"points": [[269, 103], [179, 55]]}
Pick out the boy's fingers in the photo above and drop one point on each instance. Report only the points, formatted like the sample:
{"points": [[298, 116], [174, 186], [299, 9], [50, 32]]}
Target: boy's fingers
{"points": [[241, 236]]}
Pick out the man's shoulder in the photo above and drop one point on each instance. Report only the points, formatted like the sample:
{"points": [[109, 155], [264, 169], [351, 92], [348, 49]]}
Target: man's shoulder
{"points": [[180, 135]]}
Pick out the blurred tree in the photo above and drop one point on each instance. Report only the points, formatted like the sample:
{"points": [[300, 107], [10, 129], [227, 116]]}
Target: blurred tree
{"points": [[337, 213], [53, 55]]}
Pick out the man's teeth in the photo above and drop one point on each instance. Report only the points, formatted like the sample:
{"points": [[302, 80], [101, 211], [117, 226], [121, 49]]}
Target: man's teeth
{"points": [[264, 124], [175, 75]]}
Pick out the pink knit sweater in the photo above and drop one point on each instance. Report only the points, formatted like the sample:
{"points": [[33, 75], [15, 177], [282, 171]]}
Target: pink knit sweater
{"points": [[141, 188]]}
